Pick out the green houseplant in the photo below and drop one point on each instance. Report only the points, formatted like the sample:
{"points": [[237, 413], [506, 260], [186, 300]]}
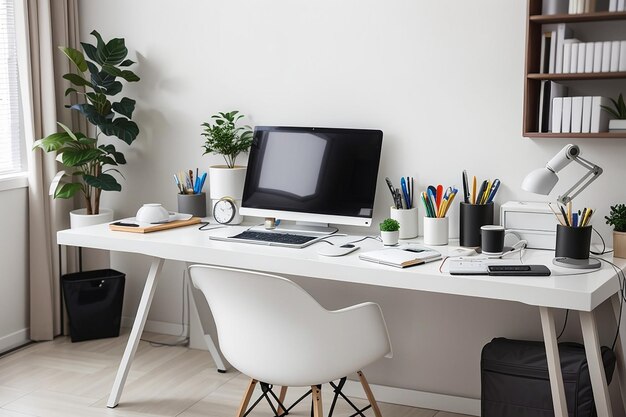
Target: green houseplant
{"points": [[617, 219], [390, 232], [224, 136], [618, 114], [95, 84]]}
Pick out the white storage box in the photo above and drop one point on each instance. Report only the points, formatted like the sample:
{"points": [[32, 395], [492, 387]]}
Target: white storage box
{"points": [[534, 222]]}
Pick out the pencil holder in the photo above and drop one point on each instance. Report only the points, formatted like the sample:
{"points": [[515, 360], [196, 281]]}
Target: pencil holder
{"points": [[194, 204], [436, 230], [408, 221], [473, 216], [573, 242]]}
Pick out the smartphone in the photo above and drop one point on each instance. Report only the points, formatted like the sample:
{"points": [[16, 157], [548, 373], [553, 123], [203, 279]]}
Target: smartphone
{"points": [[519, 270]]}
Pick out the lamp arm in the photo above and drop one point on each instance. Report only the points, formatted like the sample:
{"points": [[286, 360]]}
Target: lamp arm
{"points": [[592, 174]]}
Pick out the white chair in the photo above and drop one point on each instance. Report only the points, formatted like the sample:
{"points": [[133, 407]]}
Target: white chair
{"points": [[273, 331]]}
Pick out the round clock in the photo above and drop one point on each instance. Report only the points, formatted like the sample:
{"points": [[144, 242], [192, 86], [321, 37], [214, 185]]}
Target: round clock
{"points": [[224, 210]]}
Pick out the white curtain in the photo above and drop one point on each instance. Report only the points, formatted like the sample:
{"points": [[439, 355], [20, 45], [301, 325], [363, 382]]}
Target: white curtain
{"points": [[42, 26]]}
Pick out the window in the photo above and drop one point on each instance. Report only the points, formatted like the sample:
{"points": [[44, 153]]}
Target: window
{"points": [[11, 152]]}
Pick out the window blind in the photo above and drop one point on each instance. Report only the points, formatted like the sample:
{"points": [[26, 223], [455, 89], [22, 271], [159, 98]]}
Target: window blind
{"points": [[10, 129]]}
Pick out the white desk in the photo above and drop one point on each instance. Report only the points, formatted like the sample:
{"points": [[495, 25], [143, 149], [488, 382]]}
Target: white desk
{"points": [[581, 292]]}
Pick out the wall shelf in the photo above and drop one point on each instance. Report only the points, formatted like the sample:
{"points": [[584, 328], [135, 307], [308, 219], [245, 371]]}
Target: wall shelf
{"points": [[576, 18]]}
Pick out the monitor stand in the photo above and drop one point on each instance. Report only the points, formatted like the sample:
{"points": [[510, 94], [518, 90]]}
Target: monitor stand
{"points": [[300, 227]]}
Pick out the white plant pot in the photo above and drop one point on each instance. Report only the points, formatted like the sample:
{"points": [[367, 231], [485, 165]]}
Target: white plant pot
{"points": [[390, 238], [617, 124], [80, 218], [226, 182]]}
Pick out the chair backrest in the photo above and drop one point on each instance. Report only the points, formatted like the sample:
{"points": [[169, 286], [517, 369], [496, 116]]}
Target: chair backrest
{"points": [[272, 330]]}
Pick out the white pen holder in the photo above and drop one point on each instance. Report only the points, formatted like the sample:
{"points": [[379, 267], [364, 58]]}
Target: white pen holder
{"points": [[435, 231], [408, 221]]}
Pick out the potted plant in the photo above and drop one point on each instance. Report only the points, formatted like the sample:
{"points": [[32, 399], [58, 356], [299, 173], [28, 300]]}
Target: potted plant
{"points": [[390, 232], [618, 114], [224, 137], [91, 163], [617, 219]]}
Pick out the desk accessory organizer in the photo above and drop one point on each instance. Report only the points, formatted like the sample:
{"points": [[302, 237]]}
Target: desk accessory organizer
{"points": [[572, 248], [436, 231], [472, 218], [194, 204], [408, 221]]}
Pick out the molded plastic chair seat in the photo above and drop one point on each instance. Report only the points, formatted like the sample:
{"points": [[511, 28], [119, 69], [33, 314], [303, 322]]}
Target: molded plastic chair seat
{"points": [[273, 331]]}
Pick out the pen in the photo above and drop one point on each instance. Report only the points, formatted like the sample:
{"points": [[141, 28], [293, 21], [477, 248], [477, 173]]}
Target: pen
{"points": [[392, 190], [474, 189], [412, 191], [481, 191], [465, 188], [567, 223], [494, 190], [405, 192], [574, 219], [557, 215]]}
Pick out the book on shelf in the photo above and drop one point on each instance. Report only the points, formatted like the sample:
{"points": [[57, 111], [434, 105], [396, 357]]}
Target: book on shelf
{"points": [[573, 69], [566, 121], [612, 5], [562, 32], [557, 113], [577, 114], [599, 118], [621, 6], [615, 46], [549, 90], [586, 116], [597, 56], [606, 56], [546, 59], [567, 57], [582, 50], [589, 56], [401, 258], [622, 56], [554, 7]]}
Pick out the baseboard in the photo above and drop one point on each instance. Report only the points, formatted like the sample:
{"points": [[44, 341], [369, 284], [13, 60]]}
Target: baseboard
{"points": [[412, 398], [14, 340], [160, 327]]}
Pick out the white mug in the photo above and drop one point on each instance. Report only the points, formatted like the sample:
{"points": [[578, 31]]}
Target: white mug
{"points": [[152, 213]]}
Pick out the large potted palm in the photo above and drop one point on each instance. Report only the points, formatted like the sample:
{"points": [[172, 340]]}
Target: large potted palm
{"points": [[90, 164]]}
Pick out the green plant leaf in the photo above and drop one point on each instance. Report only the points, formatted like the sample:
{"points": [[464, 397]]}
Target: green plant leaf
{"points": [[100, 102], [116, 72], [105, 83], [76, 57], [105, 182], [122, 128], [125, 107], [611, 111], [72, 157], [69, 91], [53, 142], [116, 170], [127, 63], [112, 52], [118, 156], [107, 160], [92, 114], [90, 50], [77, 80], [67, 190]]}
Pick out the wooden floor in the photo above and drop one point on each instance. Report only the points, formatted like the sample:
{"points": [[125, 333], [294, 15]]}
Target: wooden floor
{"points": [[64, 379]]}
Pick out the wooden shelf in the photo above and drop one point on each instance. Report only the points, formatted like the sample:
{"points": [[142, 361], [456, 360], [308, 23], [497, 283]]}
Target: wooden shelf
{"points": [[575, 18], [584, 76], [604, 135]]}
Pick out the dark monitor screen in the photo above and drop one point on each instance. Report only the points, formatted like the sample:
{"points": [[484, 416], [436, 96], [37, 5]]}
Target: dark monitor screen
{"points": [[320, 171]]}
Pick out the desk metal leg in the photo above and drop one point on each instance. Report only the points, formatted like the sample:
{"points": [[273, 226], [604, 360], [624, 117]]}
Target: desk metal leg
{"points": [[195, 322], [619, 351], [135, 333], [596, 366], [554, 362]]}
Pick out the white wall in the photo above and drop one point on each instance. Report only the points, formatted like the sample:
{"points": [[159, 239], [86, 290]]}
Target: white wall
{"points": [[443, 80], [13, 259]]}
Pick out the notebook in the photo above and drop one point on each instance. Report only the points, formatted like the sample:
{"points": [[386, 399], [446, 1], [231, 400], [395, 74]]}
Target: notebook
{"points": [[401, 258]]}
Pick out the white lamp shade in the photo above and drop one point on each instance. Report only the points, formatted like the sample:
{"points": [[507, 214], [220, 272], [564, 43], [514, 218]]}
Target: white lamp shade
{"points": [[540, 181]]}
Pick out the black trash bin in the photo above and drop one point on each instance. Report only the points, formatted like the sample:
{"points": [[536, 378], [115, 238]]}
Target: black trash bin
{"points": [[94, 303]]}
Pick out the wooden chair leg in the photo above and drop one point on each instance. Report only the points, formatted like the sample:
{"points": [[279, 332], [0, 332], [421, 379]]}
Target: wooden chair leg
{"points": [[369, 394], [281, 398], [246, 397], [316, 394]]}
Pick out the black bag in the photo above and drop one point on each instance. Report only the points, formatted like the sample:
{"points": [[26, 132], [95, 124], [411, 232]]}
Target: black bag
{"points": [[515, 381]]}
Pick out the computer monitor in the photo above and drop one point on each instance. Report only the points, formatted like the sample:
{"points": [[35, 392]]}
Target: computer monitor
{"points": [[311, 174]]}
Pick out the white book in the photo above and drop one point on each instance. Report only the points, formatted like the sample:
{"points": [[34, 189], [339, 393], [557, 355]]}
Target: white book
{"points": [[597, 56], [577, 114], [400, 258], [606, 56], [586, 116], [572, 7], [573, 69], [599, 118], [552, 61], [621, 6], [612, 5], [589, 57], [580, 68], [557, 112], [567, 58], [562, 32], [615, 46], [580, 6], [622, 56], [566, 117]]}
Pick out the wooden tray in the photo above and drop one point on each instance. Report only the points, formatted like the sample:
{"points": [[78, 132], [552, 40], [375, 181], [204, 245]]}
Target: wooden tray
{"points": [[155, 227]]}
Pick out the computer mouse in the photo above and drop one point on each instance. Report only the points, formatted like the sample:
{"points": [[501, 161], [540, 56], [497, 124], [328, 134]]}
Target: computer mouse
{"points": [[335, 250]]}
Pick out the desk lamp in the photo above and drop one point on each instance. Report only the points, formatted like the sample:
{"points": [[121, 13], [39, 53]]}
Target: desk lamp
{"points": [[543, 180]]}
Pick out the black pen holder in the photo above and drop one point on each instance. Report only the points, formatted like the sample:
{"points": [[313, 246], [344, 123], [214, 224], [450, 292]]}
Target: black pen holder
{"points": [[473, 216], [194, 204], [573, 242]]}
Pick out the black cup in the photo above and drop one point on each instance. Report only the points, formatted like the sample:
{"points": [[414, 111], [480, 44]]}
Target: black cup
{"points": [[573, 242], [473, 216], [492, 239]]}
